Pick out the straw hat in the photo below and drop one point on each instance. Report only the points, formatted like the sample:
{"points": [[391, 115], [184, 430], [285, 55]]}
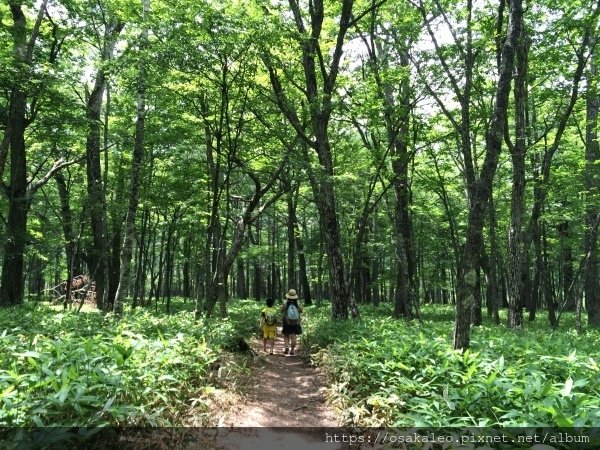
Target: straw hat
{"points": [[291, 294]]}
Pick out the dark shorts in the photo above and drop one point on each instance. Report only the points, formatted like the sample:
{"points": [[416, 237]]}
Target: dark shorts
{"points": [[291, 329]]}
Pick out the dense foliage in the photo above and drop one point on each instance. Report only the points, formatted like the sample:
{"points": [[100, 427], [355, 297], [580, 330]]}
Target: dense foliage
{"points": [[67, 369], [374, 155], [393, 373]]}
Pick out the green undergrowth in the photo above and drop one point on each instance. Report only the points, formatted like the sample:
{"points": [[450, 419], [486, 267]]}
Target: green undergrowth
{"points": [[65, 369], [389, 372]]}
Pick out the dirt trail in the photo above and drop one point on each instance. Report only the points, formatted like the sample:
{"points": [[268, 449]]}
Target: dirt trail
{"points": [[283, 406], [284, 392]]}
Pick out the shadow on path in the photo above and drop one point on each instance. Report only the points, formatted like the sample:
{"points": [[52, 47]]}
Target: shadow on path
{"points": [[284, 392]]}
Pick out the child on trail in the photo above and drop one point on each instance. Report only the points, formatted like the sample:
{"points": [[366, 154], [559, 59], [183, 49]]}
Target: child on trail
{"points": [[268, 323], [291, 321]]}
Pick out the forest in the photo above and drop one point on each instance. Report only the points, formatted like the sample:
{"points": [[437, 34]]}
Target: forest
{"points": [[425, 173]]}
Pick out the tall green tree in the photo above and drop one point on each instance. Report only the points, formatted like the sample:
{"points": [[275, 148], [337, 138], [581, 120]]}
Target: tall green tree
{"points": [[320, 69], [136, 167], [98, 257], [592, 188], [467, 274], [21, 190]]}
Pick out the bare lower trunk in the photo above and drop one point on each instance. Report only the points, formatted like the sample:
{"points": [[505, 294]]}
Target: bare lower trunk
{"points": [[12, 282], [467, 276], [96, 200], [136, 170], [592, 184], [302, 266]]}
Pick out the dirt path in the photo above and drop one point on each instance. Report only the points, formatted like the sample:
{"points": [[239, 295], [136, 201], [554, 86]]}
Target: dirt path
{"points": [[283, 406], [284, 392]]}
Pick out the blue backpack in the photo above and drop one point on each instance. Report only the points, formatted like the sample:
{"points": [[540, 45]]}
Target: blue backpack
{"points": [[292, 315]]}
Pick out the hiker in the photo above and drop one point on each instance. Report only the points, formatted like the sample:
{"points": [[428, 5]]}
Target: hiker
{"points": [[291, 321], [268, 323]]}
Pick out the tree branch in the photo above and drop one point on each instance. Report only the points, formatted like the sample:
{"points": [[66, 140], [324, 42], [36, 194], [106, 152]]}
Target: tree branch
{"points": [[58, 165]]}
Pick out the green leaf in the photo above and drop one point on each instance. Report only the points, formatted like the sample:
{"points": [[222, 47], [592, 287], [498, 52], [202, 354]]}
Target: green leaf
{"points": [[63, 393], [29, 354], [562, 421], [566, 390], [37, 421]]}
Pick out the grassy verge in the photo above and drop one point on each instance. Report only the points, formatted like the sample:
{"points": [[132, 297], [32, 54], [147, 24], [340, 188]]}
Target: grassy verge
{"points": [[388, 372], [65, 369]]}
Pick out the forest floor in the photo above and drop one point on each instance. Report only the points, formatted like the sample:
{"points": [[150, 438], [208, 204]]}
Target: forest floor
{"points": [[283, 391], [282, 402]]}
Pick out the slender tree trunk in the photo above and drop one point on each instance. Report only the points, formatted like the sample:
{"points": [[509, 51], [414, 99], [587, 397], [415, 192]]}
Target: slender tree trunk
{"points": [[136, 170], [169, 261], [291, 235], [158, 291], [516, 250], [536, 286], [566, 266], [67, 219], [142, 257], [302, 265], [241, 279], [96, 200], [272, 279], [115, 240], [592, 187], [467, 276], [546, 276], [405, 290], [257, 291], [186, 269], [13, 267]]}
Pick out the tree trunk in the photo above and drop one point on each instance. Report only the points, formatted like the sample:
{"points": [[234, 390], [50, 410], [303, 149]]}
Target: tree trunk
{"points": [[142, 258], [187, 267], [546, 276], [467, 276], [12, 280], [115, 239], [169, 261], [331, 231], [158, 288], [319, 98], [566, 267], [302, 265], [403, 224], [11, 286], [67, 221], [494, 299], [136, 170], [96, 200], [241, 279], [291, 235], [516, 249], [592, 187]]}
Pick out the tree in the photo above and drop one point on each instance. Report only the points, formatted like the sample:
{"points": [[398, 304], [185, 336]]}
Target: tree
{"points": [[467, 274], [320, 75], [136, 169], [592, 187], [516, 257], [20, 191], [98, 257]]}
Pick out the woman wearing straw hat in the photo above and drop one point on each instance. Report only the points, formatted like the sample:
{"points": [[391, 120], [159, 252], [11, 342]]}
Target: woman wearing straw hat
{"points": [[291, 321]]}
